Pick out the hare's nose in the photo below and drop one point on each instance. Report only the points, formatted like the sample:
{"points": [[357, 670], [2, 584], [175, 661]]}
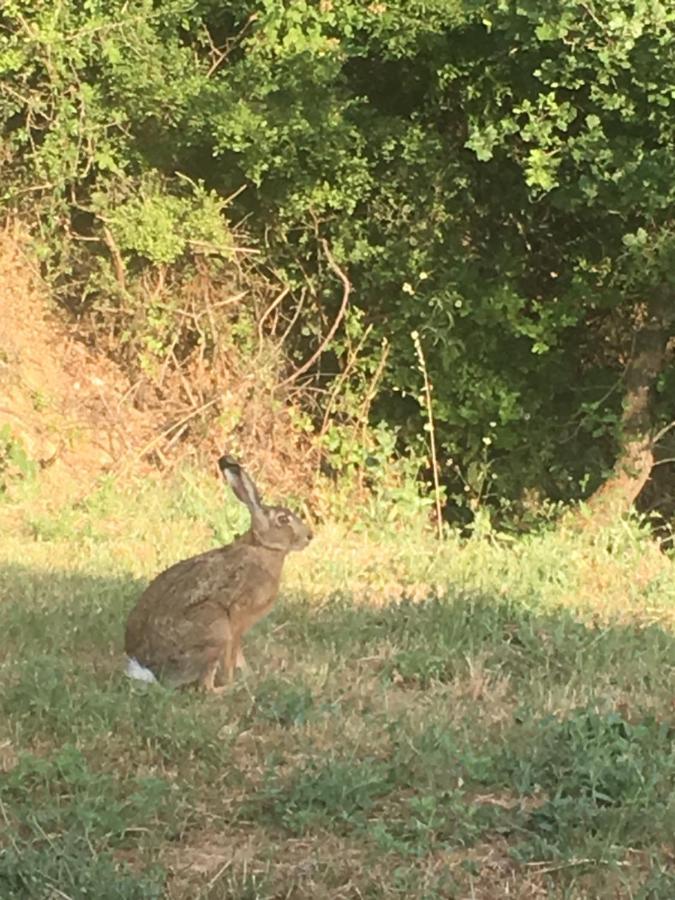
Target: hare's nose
{"points": [[310, 536]]}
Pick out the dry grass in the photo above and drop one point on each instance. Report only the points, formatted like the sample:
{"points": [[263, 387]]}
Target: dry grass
{"points": [[80, 414], [469, 719]]}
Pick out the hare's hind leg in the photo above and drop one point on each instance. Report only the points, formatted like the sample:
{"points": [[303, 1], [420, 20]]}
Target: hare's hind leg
{"points": [[208, 680], [229, 659], [240, 661], [233, 658]]}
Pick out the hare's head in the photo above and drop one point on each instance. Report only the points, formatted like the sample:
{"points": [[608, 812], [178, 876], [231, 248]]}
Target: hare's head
{"points": [[274, 527]]}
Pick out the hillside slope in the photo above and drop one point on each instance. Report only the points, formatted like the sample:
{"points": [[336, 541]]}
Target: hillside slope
{"points": [[65, 405]]}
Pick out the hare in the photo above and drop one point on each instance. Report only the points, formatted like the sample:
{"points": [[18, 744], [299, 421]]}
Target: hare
{"points": [[190, 620]]}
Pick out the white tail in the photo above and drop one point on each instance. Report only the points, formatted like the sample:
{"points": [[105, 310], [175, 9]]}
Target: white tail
{"points": [[135, 670]]}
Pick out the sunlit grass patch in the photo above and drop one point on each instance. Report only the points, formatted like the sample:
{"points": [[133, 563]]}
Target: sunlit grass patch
{"points": [[421, 719]]}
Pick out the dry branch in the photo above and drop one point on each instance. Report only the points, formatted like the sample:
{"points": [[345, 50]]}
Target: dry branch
{"points": [[118, 262], [346, 291]]}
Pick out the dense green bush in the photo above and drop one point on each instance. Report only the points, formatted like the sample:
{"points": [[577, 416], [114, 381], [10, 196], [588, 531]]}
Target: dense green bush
{"points": [[493, 176]]}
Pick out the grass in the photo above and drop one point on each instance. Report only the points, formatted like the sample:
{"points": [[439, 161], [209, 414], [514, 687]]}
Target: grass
{"points": [[482, 719]]}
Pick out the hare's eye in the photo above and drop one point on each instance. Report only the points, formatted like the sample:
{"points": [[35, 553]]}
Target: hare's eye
{"points": [[283, 518]]}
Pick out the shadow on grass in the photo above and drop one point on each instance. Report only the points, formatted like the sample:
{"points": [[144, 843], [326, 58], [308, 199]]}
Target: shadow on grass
{"points": [[100, 766]]}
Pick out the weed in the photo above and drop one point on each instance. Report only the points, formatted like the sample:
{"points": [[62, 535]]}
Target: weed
{"points": [[15, 462], [57, 809], [339, 793], [608, 782], [282, 703]]}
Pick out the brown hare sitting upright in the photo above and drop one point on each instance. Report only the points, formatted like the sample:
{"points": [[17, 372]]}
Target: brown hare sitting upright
{"points": [[191, 618]]}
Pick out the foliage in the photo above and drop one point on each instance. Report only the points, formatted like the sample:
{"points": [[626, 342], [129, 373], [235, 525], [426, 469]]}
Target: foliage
{"points": [[14, 459], [509, 202], [601, 775], [61, 807]]}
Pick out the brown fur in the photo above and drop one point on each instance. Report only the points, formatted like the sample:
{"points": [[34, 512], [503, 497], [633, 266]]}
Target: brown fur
{"points": [[190, 620]]}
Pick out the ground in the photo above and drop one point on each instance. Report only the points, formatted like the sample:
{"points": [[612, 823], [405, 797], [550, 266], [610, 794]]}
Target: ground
{"points": [[479, 718], [465, 719]]}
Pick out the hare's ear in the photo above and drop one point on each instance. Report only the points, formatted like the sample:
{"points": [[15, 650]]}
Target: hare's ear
{"points": [[241, 484]]}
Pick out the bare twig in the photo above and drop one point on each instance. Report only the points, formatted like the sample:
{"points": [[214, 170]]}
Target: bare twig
{"points": [[662, 462], [342, 377], [132, 389], [118, 262], [167, 431], [270, 309], [432, 434], [233, 196], [596, 405], [663, 432], [186, 384], [59, 893], [294, 317], [222, 54], [128, 22], [177, 436], [167, 360], [32, 189], [545, 869], [377, 375], [113, 420], [370, 395], [221, 871], [228, 301], [591, 13], [346, 291]]}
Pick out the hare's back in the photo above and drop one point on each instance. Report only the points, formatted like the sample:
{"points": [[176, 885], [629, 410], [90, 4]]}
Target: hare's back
{"points": [[183, 614]]}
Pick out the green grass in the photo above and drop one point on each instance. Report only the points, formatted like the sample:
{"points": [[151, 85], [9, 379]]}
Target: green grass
{"points": [[481, 719]]}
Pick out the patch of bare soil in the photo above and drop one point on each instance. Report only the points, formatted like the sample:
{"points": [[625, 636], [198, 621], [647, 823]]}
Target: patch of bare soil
{"points": [[78, 414], [68, 407]]}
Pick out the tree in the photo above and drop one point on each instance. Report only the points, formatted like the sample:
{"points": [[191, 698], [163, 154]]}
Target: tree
{"points": [[584, 106], [495, 177]]}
